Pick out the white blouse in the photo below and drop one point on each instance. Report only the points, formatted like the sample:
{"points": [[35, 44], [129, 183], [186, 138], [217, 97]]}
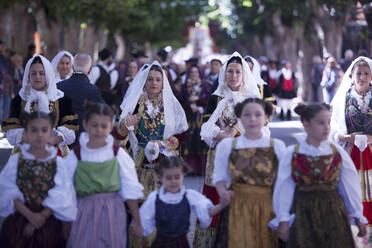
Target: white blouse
{"points": [[199, 204], [348, 187], [130, 188], [61, 198], [223, 151]]}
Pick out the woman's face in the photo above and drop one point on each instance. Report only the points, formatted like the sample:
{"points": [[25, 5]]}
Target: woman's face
{"points": [[154, 83], [362, 78], [64, 66], [37, 77], [194, 73], [132, 69], [234, 76]]}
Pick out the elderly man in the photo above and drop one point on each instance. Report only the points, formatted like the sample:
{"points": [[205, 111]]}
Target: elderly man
{"points": [[79, 88]]}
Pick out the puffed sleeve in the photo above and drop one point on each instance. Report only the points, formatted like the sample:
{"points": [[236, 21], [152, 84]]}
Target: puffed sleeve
{"points": [[221, 162], [200, 205], [70, 163], [14, 136], [349, 188], [62, 197], [147, 214], [67, 135], [130, 188], [279, 148], [9, 190], [284, 191]]}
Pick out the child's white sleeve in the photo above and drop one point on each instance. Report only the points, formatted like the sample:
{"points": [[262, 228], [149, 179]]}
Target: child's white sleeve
{"points": [[283, 191], [130, 187], [221, 161], [279, 148], [349, 188], [62, 197], [70, 163], [200, 205], [147, 214], [9, 190]]}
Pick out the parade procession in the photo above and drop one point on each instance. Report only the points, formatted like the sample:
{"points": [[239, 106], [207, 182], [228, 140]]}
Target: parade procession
{"points": [[180, 124]]}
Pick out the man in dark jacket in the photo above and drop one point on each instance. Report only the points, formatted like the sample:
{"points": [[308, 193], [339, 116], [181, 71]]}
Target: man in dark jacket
{"points": [[79, 89]]}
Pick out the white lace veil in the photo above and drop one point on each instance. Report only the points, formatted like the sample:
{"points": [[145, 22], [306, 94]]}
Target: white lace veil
{"points": [[51, 93], [256, 71], [174, 115], [248, 88], [338, 124], [57, 58]]}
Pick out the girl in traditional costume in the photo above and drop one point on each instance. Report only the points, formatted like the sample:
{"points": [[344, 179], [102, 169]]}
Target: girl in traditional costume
{"points": [[168, 209], [236, 83], [155, 123], [245, 170], [104, 177], [351, 125], [317, 188], [195, 93], [39, 93], [62, 65], [36, 192]]}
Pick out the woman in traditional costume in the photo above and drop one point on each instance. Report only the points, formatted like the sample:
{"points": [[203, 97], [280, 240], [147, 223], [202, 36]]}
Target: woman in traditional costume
{"points": [[39, 93], [62, 65], [351, 126], [195, 93]]}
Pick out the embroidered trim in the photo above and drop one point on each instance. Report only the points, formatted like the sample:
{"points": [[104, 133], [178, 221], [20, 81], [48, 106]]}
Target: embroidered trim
{"points": [[69, 118]]}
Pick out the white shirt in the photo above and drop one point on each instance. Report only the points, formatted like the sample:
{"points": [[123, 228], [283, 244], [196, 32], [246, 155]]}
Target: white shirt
{"points": [[61, 198], [348, 187], [199, 204], [95, 74], [130, 188], [223, 151]]}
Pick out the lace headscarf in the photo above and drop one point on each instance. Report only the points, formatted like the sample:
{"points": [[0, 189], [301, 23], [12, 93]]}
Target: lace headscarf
{"points": [[256, 71], [56, 60], [42, 98]]}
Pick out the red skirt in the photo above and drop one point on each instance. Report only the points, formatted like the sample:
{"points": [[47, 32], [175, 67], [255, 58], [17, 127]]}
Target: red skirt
{"points": [[363, 163], [211, 194], [49, 235]]}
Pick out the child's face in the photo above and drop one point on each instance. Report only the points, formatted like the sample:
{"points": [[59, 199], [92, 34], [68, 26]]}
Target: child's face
{"points": [[318, 127], [98, 128], [172, 179], [253, 118], [38, 132], [362, 78]]}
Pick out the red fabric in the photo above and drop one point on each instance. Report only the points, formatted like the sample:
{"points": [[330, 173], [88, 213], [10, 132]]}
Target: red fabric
{"points": [[272, 83], [116, 135], [366, 155], [211, 194], [287, 84]]}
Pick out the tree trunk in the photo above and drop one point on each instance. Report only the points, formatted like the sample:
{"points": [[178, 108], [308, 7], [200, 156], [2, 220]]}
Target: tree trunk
{"points": [[71, 33], [17, 28], [285, 37], [120, 43]]}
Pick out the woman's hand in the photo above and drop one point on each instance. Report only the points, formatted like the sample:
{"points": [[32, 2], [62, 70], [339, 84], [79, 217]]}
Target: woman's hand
{"points": [[350, 138], [132, 120], [194, 108], [55, 139], [29, 230], [361, 227], [283, 231]]}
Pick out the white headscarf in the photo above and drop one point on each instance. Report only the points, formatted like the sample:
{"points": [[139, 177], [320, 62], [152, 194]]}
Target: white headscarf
{"points": [[55, 62], [338, 124], [174, 115], [143, 67], [256, 71], [30, 95], [249, 88]]}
